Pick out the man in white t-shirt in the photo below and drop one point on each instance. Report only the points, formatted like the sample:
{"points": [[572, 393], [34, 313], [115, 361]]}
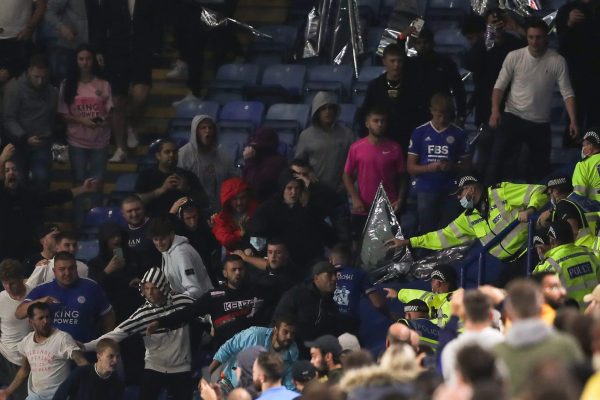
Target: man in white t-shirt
{"points": [[18, 20], [532, 73], [44, 273], [46, 352], [476, 311], [12, 330]]}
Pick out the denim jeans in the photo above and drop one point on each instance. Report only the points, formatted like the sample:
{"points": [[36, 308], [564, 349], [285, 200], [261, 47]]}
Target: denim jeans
{"points": [[435, 210], [86, 163], [35, 165]]}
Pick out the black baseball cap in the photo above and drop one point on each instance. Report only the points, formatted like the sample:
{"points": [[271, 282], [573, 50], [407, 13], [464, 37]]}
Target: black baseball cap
{"points": [[416, 305], [327, 344], [444, 273], [464, 181], [303, 371], [322, 266], [540, 238]]}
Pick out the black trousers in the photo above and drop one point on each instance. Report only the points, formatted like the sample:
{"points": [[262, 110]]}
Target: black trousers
{"points": [[179, 385], [514, 132]]}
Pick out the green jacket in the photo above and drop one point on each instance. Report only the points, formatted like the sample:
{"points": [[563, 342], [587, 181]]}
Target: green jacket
{"points": [[577, 267], [503, 203]]}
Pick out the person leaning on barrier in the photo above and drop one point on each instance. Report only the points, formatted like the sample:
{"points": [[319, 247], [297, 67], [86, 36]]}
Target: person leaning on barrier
{"points": [[488, 211]]}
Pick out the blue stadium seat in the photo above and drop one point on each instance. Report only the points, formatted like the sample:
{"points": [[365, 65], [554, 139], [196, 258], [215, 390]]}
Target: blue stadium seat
{"points": [[185, 112], [124, 186], [347, 113], [87, 249], [283, 39], [236, 76], [365, 76], [245, 115], [99, 215], [373, 38], [331, 78], [281, 83], [288, 116], [289, 76]]}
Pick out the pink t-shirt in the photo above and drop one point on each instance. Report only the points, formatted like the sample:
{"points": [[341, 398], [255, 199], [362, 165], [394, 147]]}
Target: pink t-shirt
{"points": [[371, 164], [93, 99]]}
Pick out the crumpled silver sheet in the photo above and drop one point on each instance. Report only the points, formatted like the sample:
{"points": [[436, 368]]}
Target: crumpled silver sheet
{"points": [[60, 152], [405, 13], [550, 20], [211, 19], [381, 226], [522, 8], [422, 268], [333, 32], [409, 45], [311, 34], [479, 6]]}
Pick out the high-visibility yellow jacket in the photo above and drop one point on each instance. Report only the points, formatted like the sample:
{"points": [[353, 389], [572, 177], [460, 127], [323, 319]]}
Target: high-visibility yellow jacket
{"points": [[586, 235], [439, 304], [501, 206], [577, 267], [586, 177], [428, 331]]}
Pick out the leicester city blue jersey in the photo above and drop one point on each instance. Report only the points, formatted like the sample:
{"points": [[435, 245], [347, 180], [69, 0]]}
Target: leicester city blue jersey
{"points": [[431, 146]]}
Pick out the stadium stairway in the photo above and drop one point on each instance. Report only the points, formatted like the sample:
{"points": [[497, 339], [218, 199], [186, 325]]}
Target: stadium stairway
{"points": [[159, 111]]}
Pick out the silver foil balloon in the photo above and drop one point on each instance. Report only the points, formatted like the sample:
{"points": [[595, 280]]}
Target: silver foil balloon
{"points": [[211, 19]]}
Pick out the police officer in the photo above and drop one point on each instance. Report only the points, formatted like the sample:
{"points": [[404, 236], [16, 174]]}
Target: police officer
{"points": [[488, 211], [416, 314], [443, 283], [577, 267], [586, 177], [567, 209]]}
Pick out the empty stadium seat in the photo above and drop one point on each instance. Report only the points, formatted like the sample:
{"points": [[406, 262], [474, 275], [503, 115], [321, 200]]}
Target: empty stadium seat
{"points": [[288, 116], [280, 83], [331, 78], [245, 115], [347, 113], [369, 9], [99, 215], [236, 76], [87, 249], [124, 186]]}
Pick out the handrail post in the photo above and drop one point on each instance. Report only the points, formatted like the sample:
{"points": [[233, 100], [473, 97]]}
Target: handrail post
{"points": [[481, 268], [530, 230]]}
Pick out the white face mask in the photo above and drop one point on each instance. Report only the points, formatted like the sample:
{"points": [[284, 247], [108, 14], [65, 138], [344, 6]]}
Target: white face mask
{"points": [[553, 202], [466, 203], [583, 155]]}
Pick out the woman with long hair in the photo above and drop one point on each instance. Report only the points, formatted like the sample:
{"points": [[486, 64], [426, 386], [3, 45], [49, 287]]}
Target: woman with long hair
{"points": [[85, 103]]}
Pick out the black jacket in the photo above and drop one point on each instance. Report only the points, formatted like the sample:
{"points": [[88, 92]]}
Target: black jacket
{"points": [[315, 314], [231, 311]]}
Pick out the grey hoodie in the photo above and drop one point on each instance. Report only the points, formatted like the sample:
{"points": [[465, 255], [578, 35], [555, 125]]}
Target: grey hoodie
{"points": [[184, 269], [28, 111], [325, 151], [211, 167]]}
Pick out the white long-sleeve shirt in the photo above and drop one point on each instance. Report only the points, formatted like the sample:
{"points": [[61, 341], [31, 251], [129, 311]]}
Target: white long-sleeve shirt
{"points": [[532, 81], [167, 351]]}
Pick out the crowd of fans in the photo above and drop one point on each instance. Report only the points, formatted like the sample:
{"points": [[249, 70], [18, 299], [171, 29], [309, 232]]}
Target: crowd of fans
{"points": [[242, 282]]}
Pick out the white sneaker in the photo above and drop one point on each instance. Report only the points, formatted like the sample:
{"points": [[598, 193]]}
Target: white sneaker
{"points": [[119, 157], [179, 71], [188, 97], [132, 140]]}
